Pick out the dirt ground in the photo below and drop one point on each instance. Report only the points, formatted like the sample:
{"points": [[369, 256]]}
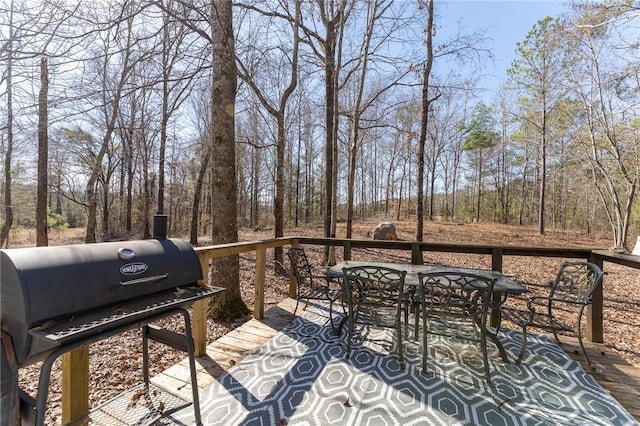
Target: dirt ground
{"points": [[116, 363]]}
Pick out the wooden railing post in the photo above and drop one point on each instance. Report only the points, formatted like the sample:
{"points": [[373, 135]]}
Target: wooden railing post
{"points": [[200, 312], [496, 258], [595, 313], [416, 254], [261, 265], [496, 265], [346, 250], [293, 283], [75, 385]]}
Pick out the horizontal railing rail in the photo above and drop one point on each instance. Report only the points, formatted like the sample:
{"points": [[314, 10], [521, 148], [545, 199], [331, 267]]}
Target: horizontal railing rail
{"points": [[75, 387]]}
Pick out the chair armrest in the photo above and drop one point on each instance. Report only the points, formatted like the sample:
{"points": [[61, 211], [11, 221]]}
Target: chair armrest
{"points": [[324, 278], [332, 283], [546, 300], [522, 317]]}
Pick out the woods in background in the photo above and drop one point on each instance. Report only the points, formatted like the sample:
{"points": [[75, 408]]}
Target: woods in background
{"points": [[341, 110]]}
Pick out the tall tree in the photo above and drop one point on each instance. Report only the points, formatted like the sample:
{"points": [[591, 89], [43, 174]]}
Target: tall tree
{"points": [[42, 238], [333, 15], [537, 71], [504, 168], [176, 82], [225, 271], [427, 100], [8, 156], [606, 87], [277, 109], [202, 101], [122, 34], [480, 136], [367, 96]]}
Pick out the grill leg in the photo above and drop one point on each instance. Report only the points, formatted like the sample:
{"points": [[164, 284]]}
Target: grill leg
{"points": [[192, 366], [43, 386], [145, 355]]}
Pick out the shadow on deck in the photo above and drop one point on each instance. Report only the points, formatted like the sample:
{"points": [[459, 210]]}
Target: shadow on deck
{"points": [[614, 374]]}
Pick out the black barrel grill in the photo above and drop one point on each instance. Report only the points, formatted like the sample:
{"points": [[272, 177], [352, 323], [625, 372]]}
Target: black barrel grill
{"points": [[56, 299]]}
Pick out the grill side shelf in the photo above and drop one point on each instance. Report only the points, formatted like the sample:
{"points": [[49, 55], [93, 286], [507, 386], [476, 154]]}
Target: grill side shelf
{"points": [[104, 319]]}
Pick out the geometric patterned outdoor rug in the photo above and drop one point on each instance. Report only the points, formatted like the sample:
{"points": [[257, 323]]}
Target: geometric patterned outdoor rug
{"points": [[301, 377]]}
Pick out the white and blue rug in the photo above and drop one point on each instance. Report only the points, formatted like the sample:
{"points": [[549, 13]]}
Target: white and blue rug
{"points": [[301, 377]]}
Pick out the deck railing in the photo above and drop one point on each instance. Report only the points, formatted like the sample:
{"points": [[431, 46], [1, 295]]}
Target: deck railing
{"points": [[75, 386]]}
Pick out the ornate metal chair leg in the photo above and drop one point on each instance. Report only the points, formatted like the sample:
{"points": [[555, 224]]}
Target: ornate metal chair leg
{"points": [[350, 328], [400, 345], [425, 347], [406, 322], [416, 311], [524, 345], [337, 330], [584, 352], [485, 360], [333, 328]]}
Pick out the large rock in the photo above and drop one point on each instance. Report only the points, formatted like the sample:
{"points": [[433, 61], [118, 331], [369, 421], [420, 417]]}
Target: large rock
{"points": [[385, 231]]}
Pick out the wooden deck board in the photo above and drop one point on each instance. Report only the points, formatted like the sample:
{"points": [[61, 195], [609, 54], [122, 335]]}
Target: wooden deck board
{"points": [[614, 374]]}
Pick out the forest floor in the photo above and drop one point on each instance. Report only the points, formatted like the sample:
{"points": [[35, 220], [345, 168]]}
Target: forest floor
{"points": [[116, 363]]}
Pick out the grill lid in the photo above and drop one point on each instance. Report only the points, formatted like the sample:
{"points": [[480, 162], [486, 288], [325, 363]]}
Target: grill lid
{"points": [[43, 284]]}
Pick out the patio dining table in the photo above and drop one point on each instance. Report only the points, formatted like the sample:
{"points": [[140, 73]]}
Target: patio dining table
{"points": [[504, 284], [503, 287]]}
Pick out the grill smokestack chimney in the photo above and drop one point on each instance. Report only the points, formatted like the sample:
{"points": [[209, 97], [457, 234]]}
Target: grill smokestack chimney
{"points": [[160, 227]]}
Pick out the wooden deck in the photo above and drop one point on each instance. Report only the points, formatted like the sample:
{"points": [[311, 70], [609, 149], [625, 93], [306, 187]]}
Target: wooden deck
{"points": [[617, 376], [228, 350]]}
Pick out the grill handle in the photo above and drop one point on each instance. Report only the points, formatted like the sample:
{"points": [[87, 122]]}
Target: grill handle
{"points": [[144, 280]]}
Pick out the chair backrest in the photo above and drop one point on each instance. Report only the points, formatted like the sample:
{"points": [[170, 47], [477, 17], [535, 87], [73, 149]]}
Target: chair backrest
{"points": [[300, 266], [374, 285], [576, 282], [457, 295]]}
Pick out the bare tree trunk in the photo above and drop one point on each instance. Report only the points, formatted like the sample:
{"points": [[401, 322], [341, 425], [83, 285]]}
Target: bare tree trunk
{"points": [[165, 114], [90, 232], [255, 187], [297, 181], [281, 145], [8, 206], [197, 196], [129, 186], [224, 223], [111, 108], [432, 179], [357, 112], [426, 102], [163, 146], [147, 191], [479, 200], [104, 182], [308, 208], [543, 170], [338, 27], [42, 238], [329, 84]]}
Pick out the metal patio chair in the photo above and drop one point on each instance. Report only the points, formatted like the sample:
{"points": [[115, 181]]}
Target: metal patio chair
{"points": [[456, 305], [561, 309], [375, 298], [313, 286]]}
